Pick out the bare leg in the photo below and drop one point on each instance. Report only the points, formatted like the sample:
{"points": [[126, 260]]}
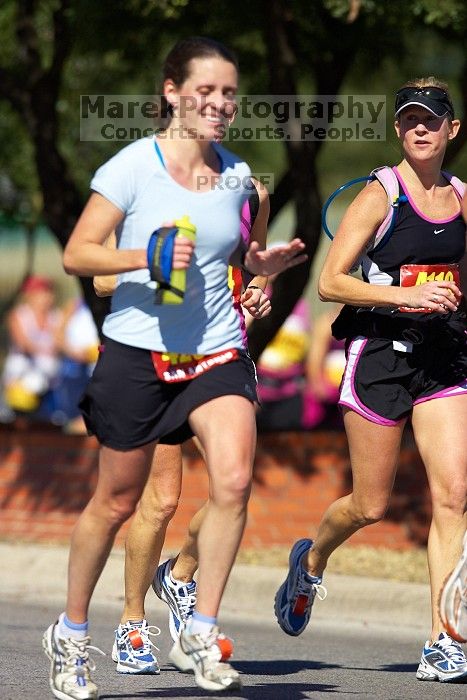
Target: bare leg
{"points": [[185, 564], [230, 455], [122, 476], [374, 451], [445, 459], [146, 534]]}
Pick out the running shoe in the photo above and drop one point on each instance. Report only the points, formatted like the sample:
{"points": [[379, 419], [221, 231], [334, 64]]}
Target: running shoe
{"points": [[132, 649], [442, 661], [295, 598], [181, 598], [453, 599], [207, 658], [70, 666]]}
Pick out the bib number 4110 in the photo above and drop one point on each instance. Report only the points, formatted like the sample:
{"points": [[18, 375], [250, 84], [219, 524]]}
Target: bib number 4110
{"points": [[443, 276]]}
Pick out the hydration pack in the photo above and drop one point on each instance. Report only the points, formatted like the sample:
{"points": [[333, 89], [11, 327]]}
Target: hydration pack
{"points": [[388, 179]]}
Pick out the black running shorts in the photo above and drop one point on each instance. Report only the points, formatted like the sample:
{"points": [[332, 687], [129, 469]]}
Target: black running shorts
{"points": [[383, 384], [126, 405]]}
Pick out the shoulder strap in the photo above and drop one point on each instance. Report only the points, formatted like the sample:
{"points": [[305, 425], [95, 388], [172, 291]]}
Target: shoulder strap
{"points": [[253, 201], [387, 178], [247, 219], [249, 213], [456, 183]]}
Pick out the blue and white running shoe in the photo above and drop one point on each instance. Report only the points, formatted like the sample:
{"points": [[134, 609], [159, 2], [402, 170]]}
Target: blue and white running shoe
{"points": [[181, 598], [295, 597], [442, 661], [132, 649]]}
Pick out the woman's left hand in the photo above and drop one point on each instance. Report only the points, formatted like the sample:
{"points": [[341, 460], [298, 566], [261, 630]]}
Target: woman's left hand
{"points": [[256, 302], [274, 260]]}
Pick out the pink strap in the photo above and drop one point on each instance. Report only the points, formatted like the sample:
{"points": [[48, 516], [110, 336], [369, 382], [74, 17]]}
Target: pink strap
{"points": [[456, 183], [387, 177]]}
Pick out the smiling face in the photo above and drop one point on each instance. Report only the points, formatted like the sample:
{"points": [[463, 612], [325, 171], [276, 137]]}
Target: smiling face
{"points": [[423, 135], [204, 104]]}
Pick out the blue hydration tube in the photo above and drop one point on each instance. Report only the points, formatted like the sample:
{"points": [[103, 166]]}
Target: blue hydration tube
{"points": [[367, 178], [332, 197]]}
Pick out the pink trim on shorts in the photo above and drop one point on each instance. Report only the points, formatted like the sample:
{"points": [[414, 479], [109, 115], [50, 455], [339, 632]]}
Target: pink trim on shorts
{"points": [[417, 210], [456, 390], [348, 383]]}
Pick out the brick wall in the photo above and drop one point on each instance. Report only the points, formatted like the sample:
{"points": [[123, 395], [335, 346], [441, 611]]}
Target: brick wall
{"points": [[46, 479]]}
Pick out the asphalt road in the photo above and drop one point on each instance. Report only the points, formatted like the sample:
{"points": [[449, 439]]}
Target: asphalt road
{"points": [[347, 661]]}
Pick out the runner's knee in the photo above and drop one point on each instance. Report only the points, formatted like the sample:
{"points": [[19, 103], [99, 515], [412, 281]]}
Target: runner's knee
{"points": [[115, 508], [368, 513], [450, 497], [233, 488], [159, 509]]}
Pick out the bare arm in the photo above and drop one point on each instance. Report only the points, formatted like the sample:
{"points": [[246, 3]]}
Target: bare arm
{"points": [[104, 285], [360, 221], [85, 253]]}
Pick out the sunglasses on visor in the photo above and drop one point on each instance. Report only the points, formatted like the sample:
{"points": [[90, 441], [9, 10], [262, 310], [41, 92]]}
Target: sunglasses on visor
{"points": [[432, 93]]}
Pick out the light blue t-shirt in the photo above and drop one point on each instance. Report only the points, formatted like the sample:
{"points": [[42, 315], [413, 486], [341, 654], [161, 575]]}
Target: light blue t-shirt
{"points": [[136, 181]]}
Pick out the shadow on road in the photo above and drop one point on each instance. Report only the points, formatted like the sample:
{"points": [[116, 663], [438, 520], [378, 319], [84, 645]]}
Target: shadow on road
{"points": [[273, 691]]}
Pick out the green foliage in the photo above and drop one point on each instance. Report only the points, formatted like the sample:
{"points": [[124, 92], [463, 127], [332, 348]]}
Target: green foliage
{"points": [[7, 42], [20, 194], [118, 48], [439, 13], [445, 14]]}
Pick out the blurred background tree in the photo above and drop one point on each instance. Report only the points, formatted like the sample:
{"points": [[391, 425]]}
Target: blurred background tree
{"points": [[52, 51]]}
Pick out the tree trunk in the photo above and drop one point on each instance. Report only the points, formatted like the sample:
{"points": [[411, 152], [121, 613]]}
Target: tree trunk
{"points": [[330, 62], [33, 92]]}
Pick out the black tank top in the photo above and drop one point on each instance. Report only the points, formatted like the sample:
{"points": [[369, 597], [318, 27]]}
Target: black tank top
{"points": [[416, 240]]}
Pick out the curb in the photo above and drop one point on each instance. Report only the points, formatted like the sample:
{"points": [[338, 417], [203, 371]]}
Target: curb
{"points": [[36, 573]]}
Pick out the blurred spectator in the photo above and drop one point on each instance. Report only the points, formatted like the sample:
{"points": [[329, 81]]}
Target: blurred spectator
{"points": [[32, 363], [282, 376], [299, 372], [78, 342], [324, 368], [281, 371]]}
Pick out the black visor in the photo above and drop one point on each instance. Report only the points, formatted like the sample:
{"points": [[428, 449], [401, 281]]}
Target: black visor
{"points": [[434, 99]]}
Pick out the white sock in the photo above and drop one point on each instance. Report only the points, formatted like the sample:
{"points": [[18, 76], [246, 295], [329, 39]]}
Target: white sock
{"points": [[65, 628], [133, 623], [201, 624]]}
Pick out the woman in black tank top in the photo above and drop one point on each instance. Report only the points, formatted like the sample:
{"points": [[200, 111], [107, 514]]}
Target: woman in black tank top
{"points": [[404, 325]]}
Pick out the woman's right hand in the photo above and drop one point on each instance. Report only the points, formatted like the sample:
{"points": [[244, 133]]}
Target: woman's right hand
{"points": [[182, 253], [441, 297], [182, 250]]}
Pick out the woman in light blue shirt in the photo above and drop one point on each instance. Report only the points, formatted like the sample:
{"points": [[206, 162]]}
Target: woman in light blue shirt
{"points": [[131, 403]]}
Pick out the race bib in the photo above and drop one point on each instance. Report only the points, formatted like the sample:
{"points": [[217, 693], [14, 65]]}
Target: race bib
{"points": [[176, 367], [411, 275]]}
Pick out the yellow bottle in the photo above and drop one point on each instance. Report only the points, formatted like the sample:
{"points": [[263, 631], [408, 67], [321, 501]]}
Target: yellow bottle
{"points": [[178, 277]]}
